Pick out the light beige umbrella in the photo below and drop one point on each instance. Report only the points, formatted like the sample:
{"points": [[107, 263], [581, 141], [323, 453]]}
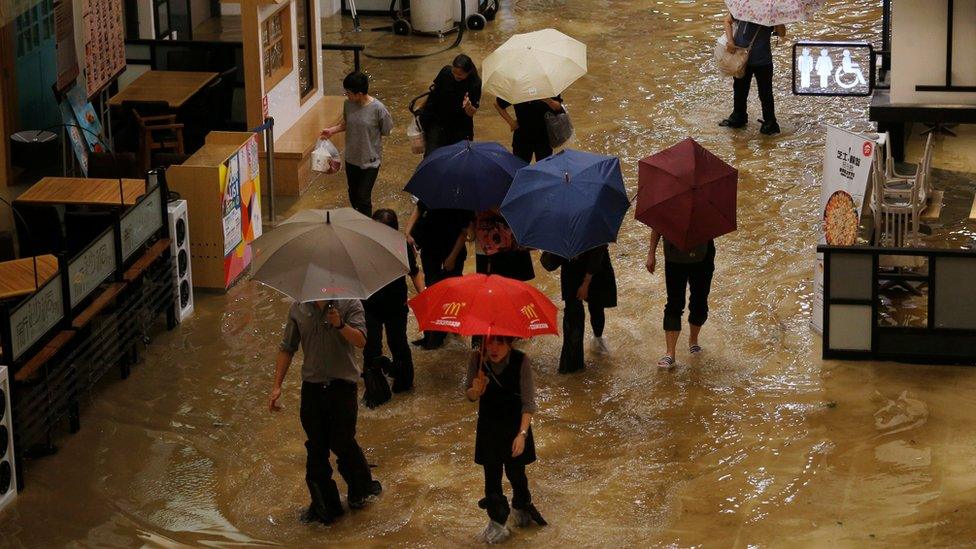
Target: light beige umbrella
{"points": [[534, 65], [329, 254]]}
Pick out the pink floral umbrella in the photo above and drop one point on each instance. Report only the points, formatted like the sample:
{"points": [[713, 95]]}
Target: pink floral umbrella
{"points": [[773, 12]]}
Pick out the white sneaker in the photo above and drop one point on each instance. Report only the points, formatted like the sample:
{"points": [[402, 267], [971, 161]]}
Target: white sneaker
{"points": [[600, 343]]}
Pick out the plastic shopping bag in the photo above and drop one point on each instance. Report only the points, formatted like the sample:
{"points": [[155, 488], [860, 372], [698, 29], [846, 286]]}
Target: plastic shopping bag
{"points": [[326, 158], [416, 135]]}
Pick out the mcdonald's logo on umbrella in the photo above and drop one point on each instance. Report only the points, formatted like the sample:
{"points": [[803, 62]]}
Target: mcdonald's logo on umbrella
{"points": [[453, 309]]}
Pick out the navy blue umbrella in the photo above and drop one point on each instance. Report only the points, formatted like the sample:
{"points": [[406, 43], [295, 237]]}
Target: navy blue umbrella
{"points": [[568, 203], [465, 176]]}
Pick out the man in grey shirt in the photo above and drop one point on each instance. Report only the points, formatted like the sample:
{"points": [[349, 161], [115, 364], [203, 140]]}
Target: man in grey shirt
{"points": [[329, 333], [365, 120]]}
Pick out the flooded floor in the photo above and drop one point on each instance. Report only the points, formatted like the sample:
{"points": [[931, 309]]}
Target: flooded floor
{"points": [[757, 443]]}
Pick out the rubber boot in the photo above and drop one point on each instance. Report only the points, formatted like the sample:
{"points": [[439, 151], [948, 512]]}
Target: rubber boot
{"points": [[326, 506], [525, 514]]}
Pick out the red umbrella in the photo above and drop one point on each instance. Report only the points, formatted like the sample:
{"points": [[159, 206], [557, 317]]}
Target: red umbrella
{"points": [[478, 304], [687, 194]]}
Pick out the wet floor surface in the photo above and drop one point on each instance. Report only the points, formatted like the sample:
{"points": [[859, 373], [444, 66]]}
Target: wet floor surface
{"points": [[757, 442]]}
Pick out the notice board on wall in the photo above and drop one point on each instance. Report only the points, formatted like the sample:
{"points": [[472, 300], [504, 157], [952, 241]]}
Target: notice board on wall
{"points": [[104, 42]]}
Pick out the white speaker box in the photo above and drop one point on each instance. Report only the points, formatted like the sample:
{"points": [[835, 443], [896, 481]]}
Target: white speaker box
{"points": [[8, 471], [179, 230]]}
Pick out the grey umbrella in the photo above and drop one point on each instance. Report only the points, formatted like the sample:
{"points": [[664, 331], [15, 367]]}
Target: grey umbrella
{"points": [[329, 254]]}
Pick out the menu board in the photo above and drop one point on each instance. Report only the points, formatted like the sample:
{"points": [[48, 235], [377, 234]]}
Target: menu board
{"points": [[64, 33], [104, 40]]}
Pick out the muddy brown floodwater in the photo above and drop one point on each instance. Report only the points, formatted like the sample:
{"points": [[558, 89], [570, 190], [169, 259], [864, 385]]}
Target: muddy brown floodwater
{"points": [[758, 442]]}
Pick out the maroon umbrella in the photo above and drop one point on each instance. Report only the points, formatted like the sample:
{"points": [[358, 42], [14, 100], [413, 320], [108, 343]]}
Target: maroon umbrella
{"points": [[687, 194]]}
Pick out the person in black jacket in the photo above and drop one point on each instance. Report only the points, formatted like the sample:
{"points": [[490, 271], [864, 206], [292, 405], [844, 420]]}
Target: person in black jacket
{"points": [[587, 277], [388, 308], [529, 134], [441, 237], [455, 96], [500, 379]]}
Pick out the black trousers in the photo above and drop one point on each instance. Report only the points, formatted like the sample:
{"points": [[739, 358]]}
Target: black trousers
{"points": [[432, 261], [394, 320], [528, 143], [516, 477], [574, 324], [328, 414], [361, 181], [740, 88], [696, 278], [439, 136]]}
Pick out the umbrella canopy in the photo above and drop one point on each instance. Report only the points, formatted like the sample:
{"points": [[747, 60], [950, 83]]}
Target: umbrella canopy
{"points": [[465, 176], [329, 254], [687, 194], [534, 65], [773, 12], [478, 304], [567, 203]]}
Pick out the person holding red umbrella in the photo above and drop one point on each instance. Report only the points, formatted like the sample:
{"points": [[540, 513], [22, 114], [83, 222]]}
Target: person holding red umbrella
{"points": [[687, 195], [690, 272], [500, 380]]}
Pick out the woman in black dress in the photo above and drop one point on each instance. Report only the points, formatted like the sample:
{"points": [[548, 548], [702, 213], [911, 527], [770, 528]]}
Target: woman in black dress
{"points": [[587, 277], [500, 380], [447, 116]]}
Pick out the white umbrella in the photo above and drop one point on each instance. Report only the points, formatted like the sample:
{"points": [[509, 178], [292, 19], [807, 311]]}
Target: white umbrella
{"points": [[534, 65], [773, 12]]}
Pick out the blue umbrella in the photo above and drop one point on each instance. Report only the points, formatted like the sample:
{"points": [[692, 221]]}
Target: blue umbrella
{"points": [[568, 203], [465, 176]]}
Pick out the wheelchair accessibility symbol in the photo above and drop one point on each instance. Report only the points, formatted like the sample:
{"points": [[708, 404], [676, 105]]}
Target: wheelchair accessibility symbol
{"points": [[848, 75]]}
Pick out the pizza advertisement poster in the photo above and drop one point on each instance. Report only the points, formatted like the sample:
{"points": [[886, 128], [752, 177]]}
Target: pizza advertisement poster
{"points": [[847, 162]]}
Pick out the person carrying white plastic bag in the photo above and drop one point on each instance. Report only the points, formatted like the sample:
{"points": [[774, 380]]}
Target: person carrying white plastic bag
{"points": [[366, 121], [326, 158]]}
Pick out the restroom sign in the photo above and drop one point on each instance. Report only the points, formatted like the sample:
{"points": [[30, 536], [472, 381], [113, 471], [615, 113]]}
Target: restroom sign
{"points": [[833, 68]]}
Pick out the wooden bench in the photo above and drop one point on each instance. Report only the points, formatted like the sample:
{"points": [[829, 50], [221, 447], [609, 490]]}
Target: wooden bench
{"points": [[147, 259], [98, 305], [30, 369], [293, 149]]}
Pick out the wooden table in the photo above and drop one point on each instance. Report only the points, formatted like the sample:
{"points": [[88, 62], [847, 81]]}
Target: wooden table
{"points": [[173, 87], [82, 191], [17, 276]]}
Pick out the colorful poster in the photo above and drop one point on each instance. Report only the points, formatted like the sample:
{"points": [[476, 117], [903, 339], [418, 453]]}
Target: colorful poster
{"points": [[233, 232], [78, 144], [846, 168], [86, 118]]}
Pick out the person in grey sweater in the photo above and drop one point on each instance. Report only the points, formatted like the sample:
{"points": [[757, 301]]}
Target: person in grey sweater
{"points": [[365, 120]]}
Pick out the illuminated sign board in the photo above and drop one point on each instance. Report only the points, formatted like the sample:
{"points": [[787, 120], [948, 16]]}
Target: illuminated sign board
{"points": [[833, 68]]}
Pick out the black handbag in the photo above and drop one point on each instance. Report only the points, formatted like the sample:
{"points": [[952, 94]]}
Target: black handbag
{"points": [[559, 127], [377, 388]]}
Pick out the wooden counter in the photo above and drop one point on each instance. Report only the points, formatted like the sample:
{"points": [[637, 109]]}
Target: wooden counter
{"points": [[224, 214]]}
